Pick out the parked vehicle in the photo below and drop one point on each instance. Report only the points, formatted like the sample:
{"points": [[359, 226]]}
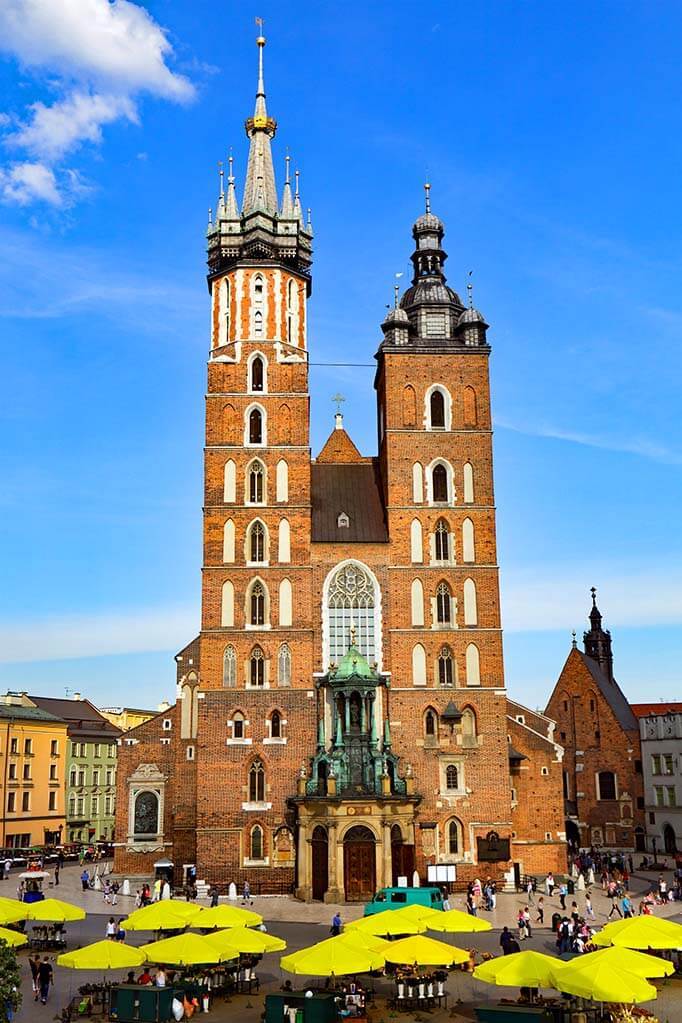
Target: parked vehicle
{"points": [[396, 898]]}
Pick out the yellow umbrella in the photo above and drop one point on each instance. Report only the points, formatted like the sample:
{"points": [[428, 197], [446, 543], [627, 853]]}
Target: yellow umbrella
{"points": [[12, 911], [520, 969], [641, 932], [639, 963], [183, 950], [241, 940], [102, 955], [389, 921], [360, 939], [454, 921], [53, 910], [333, 957], [12, 938], [227, 916], [591, 977], [166, 915], [422, 951]]}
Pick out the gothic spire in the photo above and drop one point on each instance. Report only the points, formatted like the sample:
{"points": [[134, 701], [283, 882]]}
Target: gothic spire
{"points": [[287, 212], [598, 640], [260, 193], [231, 208]]}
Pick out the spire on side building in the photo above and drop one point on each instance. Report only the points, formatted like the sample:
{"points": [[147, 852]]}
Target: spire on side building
{"points": [[598, 640]]}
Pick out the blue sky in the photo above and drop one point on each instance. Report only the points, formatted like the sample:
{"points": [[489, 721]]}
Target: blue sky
{"points": [[552, 137]]}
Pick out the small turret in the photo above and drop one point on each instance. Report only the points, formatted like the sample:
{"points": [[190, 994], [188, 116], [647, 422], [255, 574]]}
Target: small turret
{"points": [[598, 640]]}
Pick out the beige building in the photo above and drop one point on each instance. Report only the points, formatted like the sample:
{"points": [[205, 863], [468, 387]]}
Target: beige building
{"points": [[33, 748], [126, 718]]}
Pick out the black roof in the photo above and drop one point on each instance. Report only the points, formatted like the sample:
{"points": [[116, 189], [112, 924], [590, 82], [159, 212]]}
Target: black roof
{"points": [[353, 488], [612, 693], [82, 717]]}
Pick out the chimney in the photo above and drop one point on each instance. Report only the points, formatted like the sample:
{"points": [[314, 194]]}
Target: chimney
{"points": [[164, 705], [76, 696]]}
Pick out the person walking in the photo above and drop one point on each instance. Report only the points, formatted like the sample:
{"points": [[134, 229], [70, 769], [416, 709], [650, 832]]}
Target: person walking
{"points": [[246, 894], [336, 924], [215, 897], [563, 892], [56, 874], [526, 917], [471, 904], [157, 890], [615, 908], [529, 892], [541, 910], [34, 963], [111, 929], [6, 869], [549, 884], [85, 880], [589, 911], [521, 925], [626, 906], [506, 937], [45, 978]]}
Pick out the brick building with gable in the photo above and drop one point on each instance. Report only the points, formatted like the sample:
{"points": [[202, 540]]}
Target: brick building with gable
{"points": [[342, 717]]}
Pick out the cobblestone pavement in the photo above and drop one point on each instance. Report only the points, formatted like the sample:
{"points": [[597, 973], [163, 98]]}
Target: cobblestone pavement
{"points": [[301, 924]]}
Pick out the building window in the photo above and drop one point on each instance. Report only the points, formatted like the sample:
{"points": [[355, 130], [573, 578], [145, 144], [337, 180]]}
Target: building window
{"points": [[190, 753], [453, 843], [437, 410], [146, 814], [95, 806], [255, 426], [445, 667], [256, 542], [28, 747], [257, 604], [27, 772], [53, 772], [167, 724], [275, 725], [72, 806], [442, 541], [256, 843], [238, 726], [662, 763], [257, 374], [468, 727], [257, 783], [430, 724], [284, 666], [351, 602], [606, 785], [257, 668], [12, 772], [25, 802], [98, 749], [439, 481], [468, 483], [72, 775], [443, 604], [470, 603], [107, 806], [14, 745], [342, 520], [95, 776], [229, 667], [256, 478], [451, 778], [54, 748], [11, 802]]}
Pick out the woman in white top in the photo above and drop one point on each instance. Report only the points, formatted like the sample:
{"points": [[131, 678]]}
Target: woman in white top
{"points": [[111, 928], [160, 980]]}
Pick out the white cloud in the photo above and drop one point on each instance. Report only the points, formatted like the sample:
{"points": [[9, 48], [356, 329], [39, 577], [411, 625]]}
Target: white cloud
{"points": [[103, 54], [23, 183], [125, 632], [628, 445]]}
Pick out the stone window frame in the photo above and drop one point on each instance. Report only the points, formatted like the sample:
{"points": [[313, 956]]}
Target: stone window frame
{"points": [[146, 778], [447, 409], [377, 609], [457, 762], [249, 372]]}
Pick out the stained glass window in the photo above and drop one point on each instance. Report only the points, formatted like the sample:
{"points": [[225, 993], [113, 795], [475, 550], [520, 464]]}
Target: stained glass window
{"points": [[351, 604]]}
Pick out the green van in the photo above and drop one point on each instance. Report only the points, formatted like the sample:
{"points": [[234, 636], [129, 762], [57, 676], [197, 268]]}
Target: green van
{"points": [[396, 898]]}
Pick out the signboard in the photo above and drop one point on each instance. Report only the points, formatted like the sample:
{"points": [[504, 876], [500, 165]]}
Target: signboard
{"points": [[441, 873], [402, 882], [492, 848]]}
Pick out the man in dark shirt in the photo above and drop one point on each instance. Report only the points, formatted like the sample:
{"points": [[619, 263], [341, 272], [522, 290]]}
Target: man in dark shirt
{"points": [[505, 940], [45, 978]]}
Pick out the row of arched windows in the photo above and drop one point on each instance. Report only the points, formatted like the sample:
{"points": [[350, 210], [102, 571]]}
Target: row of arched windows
{"points": [[442, 543], [431, 726], [238, 726], [437, 407], [257, 668], [443, 605], [256, 548], [256, 604], [255, 482], [435, 484], [444, 671], [259, 305]]}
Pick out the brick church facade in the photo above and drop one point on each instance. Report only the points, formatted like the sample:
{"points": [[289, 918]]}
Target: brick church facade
{"points": [[341, 719]]}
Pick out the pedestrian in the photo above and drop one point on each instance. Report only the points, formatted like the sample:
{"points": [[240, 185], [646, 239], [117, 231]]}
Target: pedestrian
{"points": [[215, 897], [529, 892], [626, 906], [471, 904], [6, 869], [138, 899], [563, 892], [114, 892], [505, 938], [45, 978], [521, 925], [526, 917], [106, 893], [85, 880], [160, 979], [120, 933], [157, 890], [493, 895], [34, 963], [246, 894], [575, 915], [446, 902], [615, 908], [631, 864], [549, 884], [589, 911], [541, 910], [111, 929], [564, 936], [663, 889], [336, 924], [56, 874]]}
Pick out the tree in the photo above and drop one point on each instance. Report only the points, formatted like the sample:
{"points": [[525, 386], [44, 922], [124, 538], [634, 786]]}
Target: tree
{"points": [[10, 983]]}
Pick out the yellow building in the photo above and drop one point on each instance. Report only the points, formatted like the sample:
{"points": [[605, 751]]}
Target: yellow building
{"points": [[126, 718], [33, 747]]}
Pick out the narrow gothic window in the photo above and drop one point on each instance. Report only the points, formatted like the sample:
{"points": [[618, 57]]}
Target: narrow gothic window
{"points": [[257, 604], [443, 604], [256, 782], [442, 541], [445, 672], [257, 668], [437, 408], [439, 478], [257, 374], [256, 843], [229, 667], [351, 601], [453, 838], [430, 723], [256, 483], [257, 545], [255, 426], [238, 726], [284, 666], [451, 778], [275, 725], [607, 785]]}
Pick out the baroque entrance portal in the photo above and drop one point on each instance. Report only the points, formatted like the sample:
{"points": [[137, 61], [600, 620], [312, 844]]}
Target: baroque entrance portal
{"points": [[359, 864]]}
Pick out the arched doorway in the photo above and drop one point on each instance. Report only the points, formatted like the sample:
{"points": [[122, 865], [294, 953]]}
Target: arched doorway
{"points": [[402, 857], [359, 868], [573, 835], [669, 840], [640, 840], [320, 844]]}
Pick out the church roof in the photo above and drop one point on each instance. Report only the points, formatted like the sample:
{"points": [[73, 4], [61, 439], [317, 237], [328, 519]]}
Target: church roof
{"points": [[339, 448], [612, 693], [347, 489]]}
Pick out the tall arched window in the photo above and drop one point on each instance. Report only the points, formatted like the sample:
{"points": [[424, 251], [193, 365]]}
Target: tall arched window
{"points": [[223, 312], [255, 426], [470, 604], [284, 542], [409, 406], [228, 421], [258, 304], [439, 483], [257, 604], [442, 541], [256, 782], [468, 544], [257, 668], [470, 409], [256, 843], [256, 487], [473, 665], [417, 602], [228, 542], [292, 314], [416, 547], [446, 672], [468, 727], [275, 725], [227, 605], [282, 481], [451, 778], [437, 410], [229, 482], [417, 483], [284, 423], [468, 483], [285, 603], [229, 667], [238, 725], [430, 724], [352, 600], [418, 665], [443, 604], [257, 374], [256, 542], [454, 843], [284, 666]]}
